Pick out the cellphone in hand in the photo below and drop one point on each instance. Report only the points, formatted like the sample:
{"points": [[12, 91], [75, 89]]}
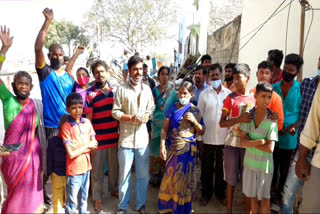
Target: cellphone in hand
{"points": [[11, 147]]}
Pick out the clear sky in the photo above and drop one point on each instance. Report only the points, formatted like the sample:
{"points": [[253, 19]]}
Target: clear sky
{"points": [[25, 18]]}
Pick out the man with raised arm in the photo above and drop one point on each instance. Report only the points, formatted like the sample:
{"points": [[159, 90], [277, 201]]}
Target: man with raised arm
{"points": [[55, 84]]}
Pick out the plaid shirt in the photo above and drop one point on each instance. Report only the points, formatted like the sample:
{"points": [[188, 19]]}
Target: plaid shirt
{"points": [[126, 102], [308, 88]]}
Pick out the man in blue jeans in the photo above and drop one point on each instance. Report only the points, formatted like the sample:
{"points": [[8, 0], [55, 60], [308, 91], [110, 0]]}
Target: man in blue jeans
{"points": [[293, 183], [133, 106]]}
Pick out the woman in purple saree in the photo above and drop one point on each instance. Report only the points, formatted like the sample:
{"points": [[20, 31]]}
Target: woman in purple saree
{"points": [[21, 169]]}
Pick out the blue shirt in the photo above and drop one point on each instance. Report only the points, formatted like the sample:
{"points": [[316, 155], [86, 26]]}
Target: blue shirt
{"points": [[197, 92], [291, 109], [308, 89], [54, 91]]}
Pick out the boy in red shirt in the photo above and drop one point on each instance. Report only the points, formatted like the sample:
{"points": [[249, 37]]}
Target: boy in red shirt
{"points": [[79, 139], [235, 111]]}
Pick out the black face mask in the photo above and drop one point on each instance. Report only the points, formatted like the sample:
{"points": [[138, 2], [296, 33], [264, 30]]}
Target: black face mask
{"points": [[228, 79], [55, 64], [287, 77], [18, 94]]}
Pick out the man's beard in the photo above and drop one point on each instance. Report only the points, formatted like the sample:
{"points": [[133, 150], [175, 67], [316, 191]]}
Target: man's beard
{"points": [[228, 79], [101, 84]]}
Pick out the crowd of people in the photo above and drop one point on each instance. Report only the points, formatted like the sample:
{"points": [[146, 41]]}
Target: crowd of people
{"points": [[265, 138]]}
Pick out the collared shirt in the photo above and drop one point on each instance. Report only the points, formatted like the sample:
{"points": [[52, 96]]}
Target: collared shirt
{"points": [[275, 105], [308, 89], [210, 105], [100, 104], [291, 108], [254, 158], [127, 101], [311, 132], [76, 135], [197, 92]]}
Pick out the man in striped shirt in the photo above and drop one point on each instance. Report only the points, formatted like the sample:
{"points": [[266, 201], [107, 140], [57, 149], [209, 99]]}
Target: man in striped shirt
{"points": [[99, 103]]}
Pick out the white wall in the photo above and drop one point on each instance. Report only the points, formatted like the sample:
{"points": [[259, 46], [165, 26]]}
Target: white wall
{"points": [[273, 34]]}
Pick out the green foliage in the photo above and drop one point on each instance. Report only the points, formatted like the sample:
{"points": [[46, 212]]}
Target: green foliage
{"points": [[134, 23], [66, 33]]}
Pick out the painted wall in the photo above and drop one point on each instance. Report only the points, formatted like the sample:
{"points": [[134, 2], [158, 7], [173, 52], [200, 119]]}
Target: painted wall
{"points": [[273, 34]]}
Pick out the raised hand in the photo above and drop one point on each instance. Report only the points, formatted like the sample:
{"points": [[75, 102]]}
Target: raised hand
{"points": [[5, 37], [79, 49], [48, 14]]}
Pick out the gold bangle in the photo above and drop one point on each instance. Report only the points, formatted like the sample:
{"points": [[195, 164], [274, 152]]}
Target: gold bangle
{"points": [[2, 58]]}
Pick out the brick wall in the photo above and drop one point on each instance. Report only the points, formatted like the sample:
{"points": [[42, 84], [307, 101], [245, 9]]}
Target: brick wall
{"points": [[224, 41]]}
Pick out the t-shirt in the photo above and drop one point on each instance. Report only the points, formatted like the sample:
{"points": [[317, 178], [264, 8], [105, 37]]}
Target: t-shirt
{"points": [[11, 106], [256, 159], [235, 104], [106, 127], [54, 91], [76, 135]]}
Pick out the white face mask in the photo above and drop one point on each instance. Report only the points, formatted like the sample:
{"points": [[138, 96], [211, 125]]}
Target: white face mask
{"points": [[184, 101], [215, 84]]}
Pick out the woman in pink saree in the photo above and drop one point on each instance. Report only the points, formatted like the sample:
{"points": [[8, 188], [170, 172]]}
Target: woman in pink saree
{"points": [[21, 169]]}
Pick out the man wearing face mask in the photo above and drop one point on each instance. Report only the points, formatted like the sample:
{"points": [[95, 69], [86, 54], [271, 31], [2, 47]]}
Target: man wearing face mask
{"points": [[55, 84], [99, 103], [133, 106], [289, 91], [211, 148]]}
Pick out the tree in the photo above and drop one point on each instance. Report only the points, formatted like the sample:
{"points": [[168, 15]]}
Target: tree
{"points": [[134, 23], [66, 33]]}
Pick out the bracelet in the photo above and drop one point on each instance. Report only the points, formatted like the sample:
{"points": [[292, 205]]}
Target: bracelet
{"points": [[2, 58]]}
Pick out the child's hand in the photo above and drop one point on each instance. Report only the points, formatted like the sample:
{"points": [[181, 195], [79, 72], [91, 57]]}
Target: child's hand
{"points": [[274, 117], [245, 117], [93, 145]]}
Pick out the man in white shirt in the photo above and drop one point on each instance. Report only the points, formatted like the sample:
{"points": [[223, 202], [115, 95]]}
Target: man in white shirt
{"points": [[211, 148]]}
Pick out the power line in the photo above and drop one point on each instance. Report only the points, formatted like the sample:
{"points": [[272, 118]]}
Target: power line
{"points": [[262, 25], [311, 22], [287, 27]]}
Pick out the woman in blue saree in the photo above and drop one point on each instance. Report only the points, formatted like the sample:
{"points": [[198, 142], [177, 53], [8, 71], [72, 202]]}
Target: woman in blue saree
{"points": [[178, 147], [160, 95]]}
